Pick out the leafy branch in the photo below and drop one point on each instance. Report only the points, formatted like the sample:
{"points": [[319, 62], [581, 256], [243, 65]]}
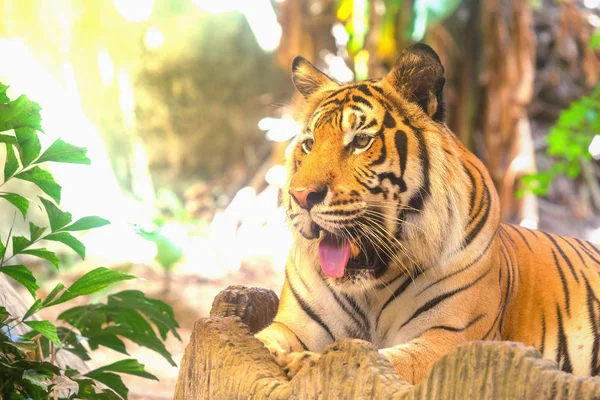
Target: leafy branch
{"points": [[27, 362]]}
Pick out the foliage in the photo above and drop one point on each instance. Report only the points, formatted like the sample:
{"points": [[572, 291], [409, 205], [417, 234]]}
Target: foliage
{"points": [[569, 139], [356, 17], [568, 142], [27, 362]]}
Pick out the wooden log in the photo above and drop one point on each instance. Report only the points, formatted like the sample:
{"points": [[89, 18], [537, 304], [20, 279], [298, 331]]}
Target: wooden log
{"points": [[256, 307], [224, 361]]}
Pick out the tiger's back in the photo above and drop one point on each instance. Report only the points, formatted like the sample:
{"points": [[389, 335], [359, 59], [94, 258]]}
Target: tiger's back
{"points": [[554, 304]]}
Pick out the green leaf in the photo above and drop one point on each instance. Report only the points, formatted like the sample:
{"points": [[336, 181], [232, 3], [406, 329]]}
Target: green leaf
{"points": [[22, 275], [19, 243], [33, 309], [9, 139], [35, 232], [111, 380], [69, 240], [20, 113], [109, 340], [46, 329], [45, 254], [29, 145], [11, 165], [92, 282], [57, 289], [57, 218], [149, 341], [88, 389], [3, 97], [3, 313], [88, 319], [40, 379], [43, 179], [71, 342], [129, 366], [152, 343], [2, 249], [595, 40], [61, 151], [86, 223], [26, 346], [18, 201], [158, 312]]}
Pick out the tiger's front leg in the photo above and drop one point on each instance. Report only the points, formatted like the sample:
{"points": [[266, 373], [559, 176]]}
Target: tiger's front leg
{"points": [[414, 359], [285, 347]]}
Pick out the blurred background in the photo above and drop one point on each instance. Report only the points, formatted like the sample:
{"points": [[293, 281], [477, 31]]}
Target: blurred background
{"points": [[186, 108]]}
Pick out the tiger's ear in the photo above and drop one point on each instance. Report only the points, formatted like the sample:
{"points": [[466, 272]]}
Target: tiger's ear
{"points": [[307, 78], [419, 76]]}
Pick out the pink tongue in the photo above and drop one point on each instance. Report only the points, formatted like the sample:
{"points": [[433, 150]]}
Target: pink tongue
{"points": [[333, 256]]}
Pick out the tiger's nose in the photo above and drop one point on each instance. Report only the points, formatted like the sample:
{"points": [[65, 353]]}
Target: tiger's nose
{"points": [[308, 197]]}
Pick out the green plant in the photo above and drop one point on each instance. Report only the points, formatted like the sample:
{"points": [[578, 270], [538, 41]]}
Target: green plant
{"points": [[568, 143], [27, 362]]}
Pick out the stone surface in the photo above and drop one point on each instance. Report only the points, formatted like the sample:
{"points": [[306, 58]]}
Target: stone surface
{"points": [[224, 361]]}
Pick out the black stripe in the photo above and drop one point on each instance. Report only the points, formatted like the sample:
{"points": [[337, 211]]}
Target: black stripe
{"points": [[454, 329], [378, 90], [398, 292], [509, 283], [488, 199], [473, 191], [369, 125], [587, 252], [308, 310], [388, 120], [417, 201], [382, 285], [437, 300], [594, 247], [304, 346], [562, 348], [563, 255], [360, 335], [531, 231], [362, 100], [485, 337], [401, 142], [564, 283], [364, 88], [574, 249], [592, 312], [383, 154], [336, 102], [543, 345], [463, 268], [365, 320], [520, 234]]}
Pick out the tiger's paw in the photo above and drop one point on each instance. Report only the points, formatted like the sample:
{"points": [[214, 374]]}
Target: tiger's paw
{"points": [[292, 363]]}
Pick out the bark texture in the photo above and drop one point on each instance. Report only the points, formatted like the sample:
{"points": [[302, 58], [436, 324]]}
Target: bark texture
{"points": [[224, 361]]}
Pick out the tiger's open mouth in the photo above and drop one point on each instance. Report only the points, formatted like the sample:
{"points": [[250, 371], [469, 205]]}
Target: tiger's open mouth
{"points": [[343, 255]]}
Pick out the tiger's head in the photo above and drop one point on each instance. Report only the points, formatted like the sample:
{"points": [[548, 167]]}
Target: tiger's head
{"points": [[371, 189]]}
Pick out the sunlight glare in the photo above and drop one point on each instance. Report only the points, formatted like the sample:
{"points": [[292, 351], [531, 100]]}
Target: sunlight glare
{"points": [[106, 67], [153, 38], [134, 10]]}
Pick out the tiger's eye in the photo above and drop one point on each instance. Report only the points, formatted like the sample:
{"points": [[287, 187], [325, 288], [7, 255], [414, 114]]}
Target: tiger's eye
{"points": [[361, 141], [307, 145]]}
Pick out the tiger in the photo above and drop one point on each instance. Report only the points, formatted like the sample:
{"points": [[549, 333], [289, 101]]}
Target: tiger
{"points": [[397, 238]]}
